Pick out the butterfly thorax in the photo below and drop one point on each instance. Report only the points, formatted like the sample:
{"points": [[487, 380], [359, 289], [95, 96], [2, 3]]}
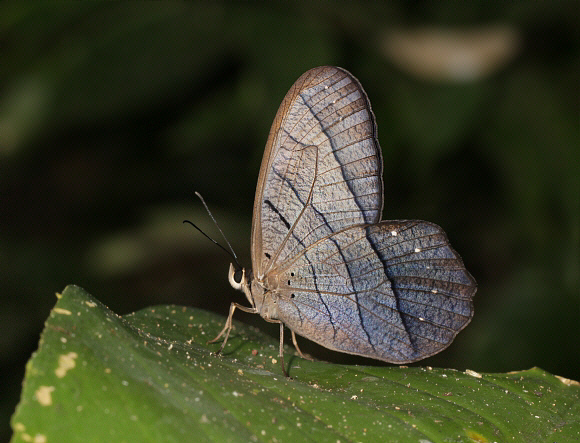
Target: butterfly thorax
{"points": [[259, 292]]}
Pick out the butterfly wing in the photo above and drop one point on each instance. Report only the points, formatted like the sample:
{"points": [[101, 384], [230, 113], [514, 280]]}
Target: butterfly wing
{"points": [[321, 171], [394, 291]]}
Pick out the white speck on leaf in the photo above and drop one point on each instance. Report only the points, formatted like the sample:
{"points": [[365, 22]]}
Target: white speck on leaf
{"points": [[473, 373]]}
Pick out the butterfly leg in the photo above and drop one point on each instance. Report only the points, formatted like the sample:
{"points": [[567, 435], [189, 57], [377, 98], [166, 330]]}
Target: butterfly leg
{"points": [[228, 326], [295, 343], [281, 351]]}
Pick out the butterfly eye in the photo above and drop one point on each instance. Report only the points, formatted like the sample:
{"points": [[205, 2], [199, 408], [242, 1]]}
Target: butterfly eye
{"points": [[238, 276]]}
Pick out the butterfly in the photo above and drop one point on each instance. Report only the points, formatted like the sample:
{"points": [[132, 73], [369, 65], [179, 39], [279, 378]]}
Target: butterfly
{"points": [[323, 262]]}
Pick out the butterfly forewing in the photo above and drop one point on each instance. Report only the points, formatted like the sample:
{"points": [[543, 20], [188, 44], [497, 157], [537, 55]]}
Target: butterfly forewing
{"points": [[322, 169], [394, 291]]}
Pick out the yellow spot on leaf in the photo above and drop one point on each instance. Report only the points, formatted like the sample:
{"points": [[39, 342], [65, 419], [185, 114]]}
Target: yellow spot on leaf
{"points": [[62, 311], [567, 381], [44, 395], [65, 363], [476, 437]]}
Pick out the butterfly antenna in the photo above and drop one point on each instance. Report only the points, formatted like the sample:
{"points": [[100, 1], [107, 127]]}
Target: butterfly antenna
{"points": [[231, 251]]}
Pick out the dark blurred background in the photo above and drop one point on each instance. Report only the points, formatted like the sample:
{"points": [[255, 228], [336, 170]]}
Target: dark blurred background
{"points": [[113, 114]]}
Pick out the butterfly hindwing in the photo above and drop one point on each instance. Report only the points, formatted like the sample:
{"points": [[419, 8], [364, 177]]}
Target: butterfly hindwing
{"points": [[394, 291]]}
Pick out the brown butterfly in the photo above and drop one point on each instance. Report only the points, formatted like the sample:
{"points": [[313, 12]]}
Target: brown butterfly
{"points": [[323, 262]]}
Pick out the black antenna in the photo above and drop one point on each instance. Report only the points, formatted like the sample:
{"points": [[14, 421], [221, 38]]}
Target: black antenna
{"points": [[231, 251]]}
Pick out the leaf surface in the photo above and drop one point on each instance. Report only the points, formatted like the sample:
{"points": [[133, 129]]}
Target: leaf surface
{"points": [[151, 377]]}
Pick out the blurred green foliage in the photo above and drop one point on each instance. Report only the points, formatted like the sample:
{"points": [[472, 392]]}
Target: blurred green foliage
{"points": [[113, 114]]}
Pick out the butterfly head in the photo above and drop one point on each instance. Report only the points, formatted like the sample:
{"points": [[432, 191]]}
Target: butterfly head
{"points": [[240, 279]]}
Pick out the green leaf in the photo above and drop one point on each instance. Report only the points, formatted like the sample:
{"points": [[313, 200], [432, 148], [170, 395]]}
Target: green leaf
{"points": [[150, 377]]}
